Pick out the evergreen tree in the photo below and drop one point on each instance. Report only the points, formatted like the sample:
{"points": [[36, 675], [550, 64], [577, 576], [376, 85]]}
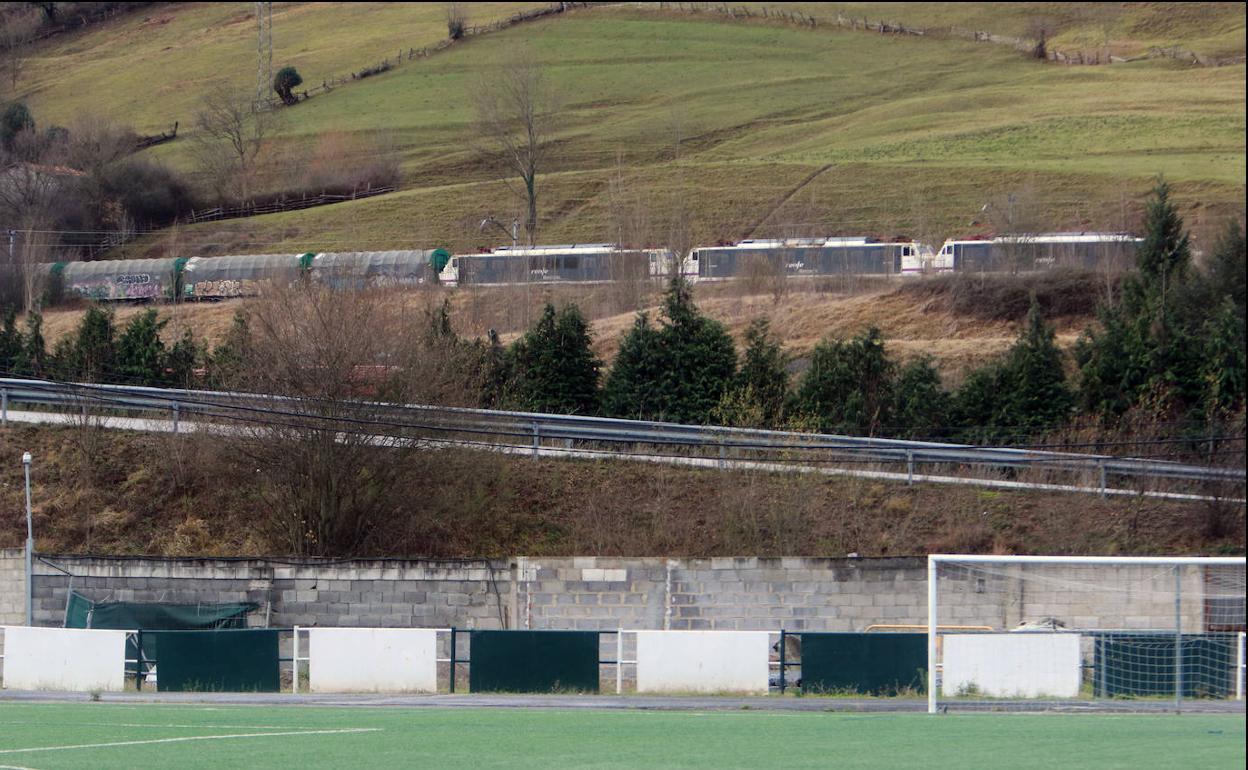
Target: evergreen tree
{"points": [[630, 390], [10, 344], [141, 354], [1151, 352], [849, 386], [554, 368], [1228, 269], [1164, 257], [921, 408], [678, 372], [93, 356], [978, 410], [698, 359], [1222, 371], [1037, 397], [1023, 395], [229, 359], [762, 382], [33, 359], [496, 374], [182, 360]]}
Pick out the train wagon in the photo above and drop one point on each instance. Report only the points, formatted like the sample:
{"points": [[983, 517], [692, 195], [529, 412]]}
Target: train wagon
{"points": [[211, 278], [804, 257], [361, 269], [576, 263], [1042, 251], [122, 279]]}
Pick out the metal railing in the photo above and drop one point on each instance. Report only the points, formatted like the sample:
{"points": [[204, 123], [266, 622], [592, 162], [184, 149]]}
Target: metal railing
{"points": [[579, 436]]}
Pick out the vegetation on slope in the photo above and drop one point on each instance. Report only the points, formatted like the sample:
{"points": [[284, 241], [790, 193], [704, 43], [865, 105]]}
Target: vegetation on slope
{"points": [[121, 493], [919, 134]]}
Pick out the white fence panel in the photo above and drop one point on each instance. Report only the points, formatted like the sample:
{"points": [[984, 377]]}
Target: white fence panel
{"points": [[1012, 665], [64, 659], [702, 661], [372, 660]]}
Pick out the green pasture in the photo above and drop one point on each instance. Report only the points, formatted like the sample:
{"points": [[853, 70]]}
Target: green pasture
{"points": [[47, 736], [666, 117], [1127, 29]]}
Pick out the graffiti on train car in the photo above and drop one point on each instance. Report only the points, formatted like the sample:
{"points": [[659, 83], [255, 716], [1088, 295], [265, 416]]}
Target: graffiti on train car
{"points": [[128, 286], [227, 287]]}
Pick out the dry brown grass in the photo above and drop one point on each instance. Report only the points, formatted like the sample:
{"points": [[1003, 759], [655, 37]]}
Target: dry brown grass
{"points": [[477, 504], [807, 311]]}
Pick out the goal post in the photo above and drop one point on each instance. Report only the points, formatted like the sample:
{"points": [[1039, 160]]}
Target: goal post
{"points": [[1146, 633]]}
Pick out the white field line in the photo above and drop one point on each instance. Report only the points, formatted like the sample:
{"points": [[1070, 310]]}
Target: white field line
{"points": [[152, 724], [166, 426], [191, 738]]}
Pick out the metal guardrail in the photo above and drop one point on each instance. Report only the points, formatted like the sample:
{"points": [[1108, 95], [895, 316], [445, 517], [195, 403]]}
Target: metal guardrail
{"points": [[521, 429]]}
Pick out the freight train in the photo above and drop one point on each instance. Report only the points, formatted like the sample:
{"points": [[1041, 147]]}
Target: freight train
{"points": [[214, 278]]}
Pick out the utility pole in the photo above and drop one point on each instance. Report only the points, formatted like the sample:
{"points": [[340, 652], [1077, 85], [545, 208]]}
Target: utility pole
{"points": [[30, 548], [264, 54]]}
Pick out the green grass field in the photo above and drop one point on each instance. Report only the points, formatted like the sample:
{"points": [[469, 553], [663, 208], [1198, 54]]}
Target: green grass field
{"points": [[109, 735]]}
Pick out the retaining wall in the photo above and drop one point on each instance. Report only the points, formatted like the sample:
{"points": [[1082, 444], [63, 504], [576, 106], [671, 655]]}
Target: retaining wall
{"points": [[797, 594]]}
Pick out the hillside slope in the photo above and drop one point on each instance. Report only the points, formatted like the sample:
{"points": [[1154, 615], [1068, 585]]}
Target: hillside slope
{"points": [[711, 124], [138, 493]]}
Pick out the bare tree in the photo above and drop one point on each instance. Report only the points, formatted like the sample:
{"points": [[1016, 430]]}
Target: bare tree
{"points": [[18, 24], [514, 107], [229, 140], [324, 472], [1016, 216], [32, 185]]}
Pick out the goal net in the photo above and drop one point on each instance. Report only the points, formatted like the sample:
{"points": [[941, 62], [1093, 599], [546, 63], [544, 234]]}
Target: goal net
{"points": [[1050, 632]]}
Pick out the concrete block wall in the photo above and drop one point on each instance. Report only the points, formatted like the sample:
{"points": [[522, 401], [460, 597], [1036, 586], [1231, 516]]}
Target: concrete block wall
{"points": [[12, 586], [596, 593], [393, 593]]}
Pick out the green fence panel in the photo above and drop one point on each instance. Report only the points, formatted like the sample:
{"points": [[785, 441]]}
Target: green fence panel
{"points": [[216, 661], [533, 661], [1143, 665], [869, 664]]}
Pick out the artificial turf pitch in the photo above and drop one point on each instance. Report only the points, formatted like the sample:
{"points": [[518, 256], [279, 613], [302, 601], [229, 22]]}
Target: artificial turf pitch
{"points": [[101, 735]]}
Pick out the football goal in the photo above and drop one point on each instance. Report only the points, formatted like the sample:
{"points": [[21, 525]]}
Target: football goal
{"points": [[1139, 633]]}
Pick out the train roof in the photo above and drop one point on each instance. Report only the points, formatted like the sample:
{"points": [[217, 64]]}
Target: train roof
{"points": [[545, 251], [802, 243], [1068, 237], [238, 267], [371, 261], [109, 267]]}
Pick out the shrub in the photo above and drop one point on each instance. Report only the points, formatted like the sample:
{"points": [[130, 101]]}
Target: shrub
{"points": [[286, 79]]}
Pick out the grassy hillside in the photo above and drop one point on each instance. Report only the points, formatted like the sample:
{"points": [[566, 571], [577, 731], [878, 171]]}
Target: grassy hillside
{"points": [[1124, 29], [719, 122], [149, 67], [118, 493]]}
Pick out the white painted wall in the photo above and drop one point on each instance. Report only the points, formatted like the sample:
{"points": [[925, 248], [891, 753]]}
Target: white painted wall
{"points": [[1009, 665], [372, 660], [64, 659], [702, 661]]}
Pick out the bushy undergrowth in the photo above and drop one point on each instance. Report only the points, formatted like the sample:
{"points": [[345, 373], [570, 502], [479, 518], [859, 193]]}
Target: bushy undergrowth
{"points": [[998, 297]]}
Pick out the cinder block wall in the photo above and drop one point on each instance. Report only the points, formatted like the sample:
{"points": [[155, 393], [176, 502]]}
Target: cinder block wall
{"points": [[595, 593], [12, 586]]}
